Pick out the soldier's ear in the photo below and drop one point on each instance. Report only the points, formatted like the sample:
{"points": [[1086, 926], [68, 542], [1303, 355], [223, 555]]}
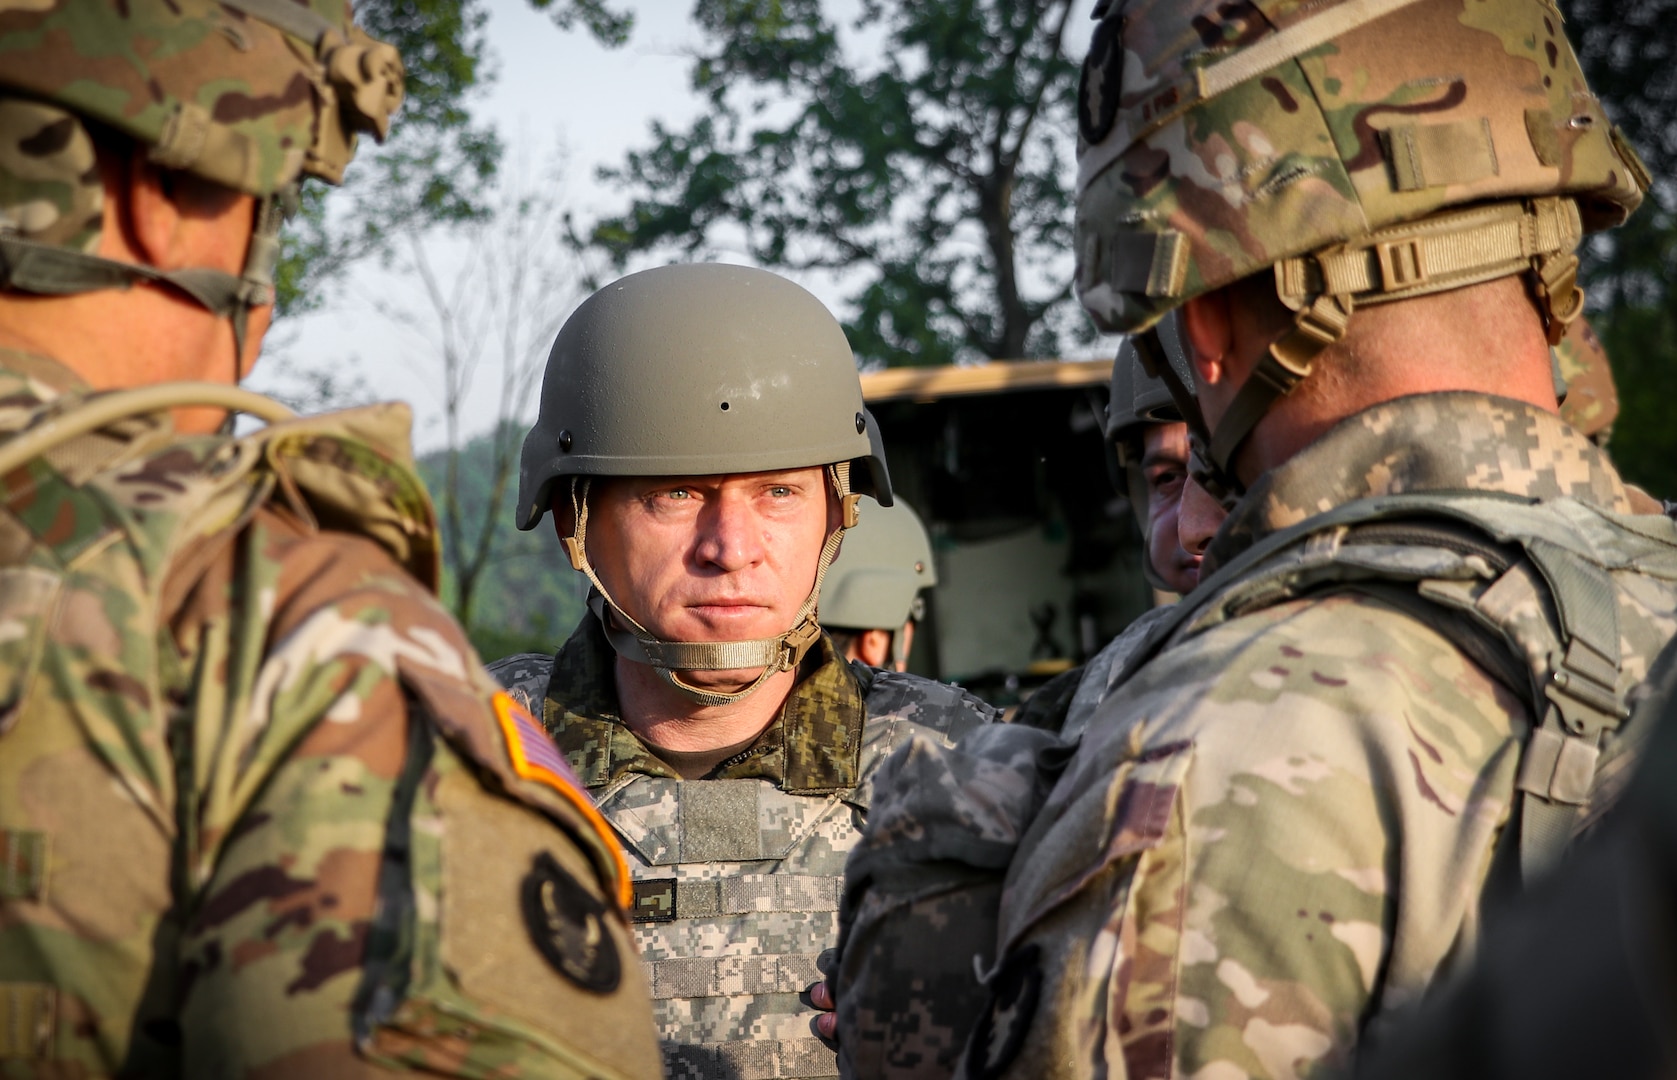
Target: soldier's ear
{"points": [[1208, 334], [174, 220]]}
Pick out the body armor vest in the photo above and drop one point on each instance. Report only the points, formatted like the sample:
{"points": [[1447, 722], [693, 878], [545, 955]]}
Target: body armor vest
{"points": [[736, 892], [1565, 603]]}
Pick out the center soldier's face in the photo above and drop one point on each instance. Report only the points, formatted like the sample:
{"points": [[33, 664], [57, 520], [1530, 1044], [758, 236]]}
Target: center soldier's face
{"points": [[711, 558]]}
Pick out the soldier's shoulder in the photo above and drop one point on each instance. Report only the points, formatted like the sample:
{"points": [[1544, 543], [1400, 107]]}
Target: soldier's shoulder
{"points": [[946, 709], [524, 676]]}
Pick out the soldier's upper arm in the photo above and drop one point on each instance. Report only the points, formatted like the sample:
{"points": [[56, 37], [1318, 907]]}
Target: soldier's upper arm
{"points": [[1270, 830], [393, 873]]}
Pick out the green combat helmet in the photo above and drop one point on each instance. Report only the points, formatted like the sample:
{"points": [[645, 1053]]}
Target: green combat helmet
{"points": [[253, 95], [1362, 151], [700, 371], [875, 582]]}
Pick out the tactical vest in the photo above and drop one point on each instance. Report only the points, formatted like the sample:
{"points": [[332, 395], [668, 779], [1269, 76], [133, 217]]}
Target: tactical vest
{"points": [[736, 893], [1565, 603]]}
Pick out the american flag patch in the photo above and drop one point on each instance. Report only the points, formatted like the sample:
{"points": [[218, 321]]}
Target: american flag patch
{"points": [[534, 757]]}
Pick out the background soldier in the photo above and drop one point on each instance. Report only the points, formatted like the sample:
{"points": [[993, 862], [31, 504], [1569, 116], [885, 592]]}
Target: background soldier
{"points": [[872, 595], [1402, 677], [260, 808], [703, 446]]}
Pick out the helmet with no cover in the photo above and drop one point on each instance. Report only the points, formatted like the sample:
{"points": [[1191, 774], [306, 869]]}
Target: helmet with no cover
{"points": [[875, 581], [698, 370]]}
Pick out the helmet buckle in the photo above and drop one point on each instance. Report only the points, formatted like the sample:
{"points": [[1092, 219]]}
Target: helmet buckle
{"points": [[578, 556], [1401, 264], [852, 510]]}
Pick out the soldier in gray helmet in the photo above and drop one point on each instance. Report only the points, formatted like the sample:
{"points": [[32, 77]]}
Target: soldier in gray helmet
{"points": [[873, 592], [703, 446]]}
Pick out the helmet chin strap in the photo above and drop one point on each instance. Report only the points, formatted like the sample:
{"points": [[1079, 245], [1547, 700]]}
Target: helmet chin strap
{"points": [[1536, 237], [46, 270], [632, 641]]}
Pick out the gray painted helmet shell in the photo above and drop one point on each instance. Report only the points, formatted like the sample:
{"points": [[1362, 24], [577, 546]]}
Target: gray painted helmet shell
{"points": [[698, 370], [885, 561], [1139, 398]]}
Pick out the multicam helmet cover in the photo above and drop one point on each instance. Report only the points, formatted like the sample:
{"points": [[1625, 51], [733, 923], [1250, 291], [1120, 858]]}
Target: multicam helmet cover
{"points": [[1360, 150], [253, 95]]}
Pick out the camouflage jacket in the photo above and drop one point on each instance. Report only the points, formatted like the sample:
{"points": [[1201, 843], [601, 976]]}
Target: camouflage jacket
{"points": [[737, 875], [1280, 823], [261, 810], [923, 886]]}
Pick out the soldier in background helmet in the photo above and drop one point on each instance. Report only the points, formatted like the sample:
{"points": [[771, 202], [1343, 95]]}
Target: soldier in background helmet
{"points": [[873, 591], [703, 448], [1402, 677], [1149, 437], [261, 810]]}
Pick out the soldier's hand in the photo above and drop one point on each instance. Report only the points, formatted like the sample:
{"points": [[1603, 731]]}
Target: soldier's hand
{"points": [[821, 996]]}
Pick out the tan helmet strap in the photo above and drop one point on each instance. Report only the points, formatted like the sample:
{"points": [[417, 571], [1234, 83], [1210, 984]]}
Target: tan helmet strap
{"points": [[632, 641], [1537, 237], [1288, 362]]}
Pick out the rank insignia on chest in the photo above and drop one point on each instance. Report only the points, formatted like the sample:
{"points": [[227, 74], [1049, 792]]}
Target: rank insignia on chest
{"points": [[569, 928]]}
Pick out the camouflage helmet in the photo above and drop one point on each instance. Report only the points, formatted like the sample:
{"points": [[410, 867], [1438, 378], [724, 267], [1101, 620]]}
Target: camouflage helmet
{"points": [[1359, 150], [700, 370], [1591, 403], [253, 95], [875, 582]]}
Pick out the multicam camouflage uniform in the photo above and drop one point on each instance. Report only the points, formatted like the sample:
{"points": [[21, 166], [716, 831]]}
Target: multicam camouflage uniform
{"points": [[1409, 674], [1276, 831], [737, 875], [259, 805]]}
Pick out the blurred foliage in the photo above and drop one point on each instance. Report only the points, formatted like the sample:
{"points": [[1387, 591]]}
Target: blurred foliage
{"points": [[938, 170], [1629, 52], [528, 597], [439, 159]]}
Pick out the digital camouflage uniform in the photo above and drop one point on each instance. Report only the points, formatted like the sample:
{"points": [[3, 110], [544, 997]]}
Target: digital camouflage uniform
{"points": [[259, 805], [737, 875]]}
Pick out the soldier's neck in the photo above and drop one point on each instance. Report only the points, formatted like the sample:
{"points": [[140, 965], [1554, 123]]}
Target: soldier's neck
{"points": [[664, 717], [115, 339]]}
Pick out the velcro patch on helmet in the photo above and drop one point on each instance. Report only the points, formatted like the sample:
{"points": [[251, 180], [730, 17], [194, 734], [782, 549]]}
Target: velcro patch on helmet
{"points": [[1103, 73]]}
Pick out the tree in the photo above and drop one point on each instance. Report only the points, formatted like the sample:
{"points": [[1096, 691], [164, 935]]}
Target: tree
{"points": [[439, 158], [486, 324], [937, 175], [1629, 55]]}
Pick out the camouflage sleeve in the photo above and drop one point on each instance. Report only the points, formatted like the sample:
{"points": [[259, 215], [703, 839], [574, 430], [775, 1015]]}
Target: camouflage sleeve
{"points": [[1269, 836], [918, 917], [1048, 705], [377, 884], [524, 676]]}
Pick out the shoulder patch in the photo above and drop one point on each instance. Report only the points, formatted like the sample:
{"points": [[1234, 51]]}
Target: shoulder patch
{"points": [[534, 757], [568, 927]]}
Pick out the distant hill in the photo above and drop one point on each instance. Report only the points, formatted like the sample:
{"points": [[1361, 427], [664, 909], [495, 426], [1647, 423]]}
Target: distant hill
{"points": [[530, 599]]}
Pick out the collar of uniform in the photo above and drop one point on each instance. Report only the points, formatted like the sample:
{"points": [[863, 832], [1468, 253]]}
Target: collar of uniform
{"points": [[1451, 442], [29, 380], [813, 746]]}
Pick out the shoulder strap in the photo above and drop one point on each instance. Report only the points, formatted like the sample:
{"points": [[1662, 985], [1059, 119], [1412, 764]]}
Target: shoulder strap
{"points": [[1575, 675]]}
